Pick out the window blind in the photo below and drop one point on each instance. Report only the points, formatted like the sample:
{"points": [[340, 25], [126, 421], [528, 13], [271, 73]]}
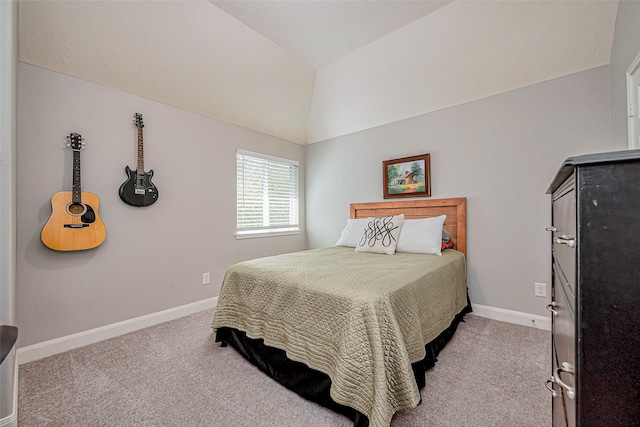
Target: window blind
{"points": [[267, 194]]}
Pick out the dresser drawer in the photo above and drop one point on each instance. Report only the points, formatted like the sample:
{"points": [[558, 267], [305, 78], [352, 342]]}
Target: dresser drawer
{"points": [[564, 357], [558, 407], [564, 236], [561, 284]]}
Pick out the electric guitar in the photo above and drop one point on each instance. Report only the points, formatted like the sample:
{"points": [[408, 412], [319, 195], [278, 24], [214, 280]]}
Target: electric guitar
{"points": [[74, 224], [138, 190]]}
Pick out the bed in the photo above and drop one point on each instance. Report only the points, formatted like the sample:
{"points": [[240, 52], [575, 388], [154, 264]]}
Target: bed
{"points": [[349, 330]]}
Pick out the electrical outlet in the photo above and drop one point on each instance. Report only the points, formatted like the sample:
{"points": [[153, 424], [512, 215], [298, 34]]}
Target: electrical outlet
{"points": [[206, 278], [540, 289]]}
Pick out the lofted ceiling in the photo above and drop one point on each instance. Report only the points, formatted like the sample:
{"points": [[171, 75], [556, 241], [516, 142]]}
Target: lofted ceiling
{"points": [[307, 70], [321, 31]]}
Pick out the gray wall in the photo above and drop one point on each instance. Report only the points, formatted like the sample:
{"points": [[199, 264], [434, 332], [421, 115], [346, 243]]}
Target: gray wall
{"points": [[500, 152], [154, 257], [626, 46]]}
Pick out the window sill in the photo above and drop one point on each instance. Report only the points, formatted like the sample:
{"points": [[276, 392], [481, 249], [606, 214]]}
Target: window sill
{"points": [[254, 235]]}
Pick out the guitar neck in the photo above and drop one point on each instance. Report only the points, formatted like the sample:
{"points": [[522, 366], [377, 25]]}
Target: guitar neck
{"points": [[140, 153], [76, 196]]}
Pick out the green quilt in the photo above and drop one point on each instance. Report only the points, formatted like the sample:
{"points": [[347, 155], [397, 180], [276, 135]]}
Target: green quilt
{"points": [[360, 318]]}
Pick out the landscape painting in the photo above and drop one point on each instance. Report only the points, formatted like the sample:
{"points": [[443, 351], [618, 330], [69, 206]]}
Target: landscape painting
{"points": [[407, 177]]}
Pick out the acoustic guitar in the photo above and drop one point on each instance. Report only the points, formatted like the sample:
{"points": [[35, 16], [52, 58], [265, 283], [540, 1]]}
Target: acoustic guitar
{"points": [[138, 190], [74, 224]]}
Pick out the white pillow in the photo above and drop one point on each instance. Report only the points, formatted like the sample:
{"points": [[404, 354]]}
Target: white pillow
{"points": [[422, 236], [381, 235], [352, 233]]}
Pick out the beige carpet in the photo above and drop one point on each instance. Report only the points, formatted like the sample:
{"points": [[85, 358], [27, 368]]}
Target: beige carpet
{"points": [[491, 374]]}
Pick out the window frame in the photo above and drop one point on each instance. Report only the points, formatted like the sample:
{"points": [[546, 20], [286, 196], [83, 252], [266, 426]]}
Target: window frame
{"points": [[269, 230], [633, 107]]}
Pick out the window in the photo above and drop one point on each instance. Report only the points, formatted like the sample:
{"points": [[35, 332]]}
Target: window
{"points": [[267, 191]]}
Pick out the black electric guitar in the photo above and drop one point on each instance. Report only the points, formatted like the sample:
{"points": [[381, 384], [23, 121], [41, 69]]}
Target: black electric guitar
{"points": [[74, 224], [138, 190]]}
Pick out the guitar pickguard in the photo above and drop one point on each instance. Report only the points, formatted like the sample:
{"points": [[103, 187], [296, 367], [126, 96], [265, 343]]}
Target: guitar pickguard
{"points": [[89, 216]]}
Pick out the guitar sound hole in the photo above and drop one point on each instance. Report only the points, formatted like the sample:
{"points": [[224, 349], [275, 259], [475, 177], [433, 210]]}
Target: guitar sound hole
{"points": [[76, 208]]}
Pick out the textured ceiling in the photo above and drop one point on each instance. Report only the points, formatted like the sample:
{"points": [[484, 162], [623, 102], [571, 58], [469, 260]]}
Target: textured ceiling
{"points": [[189, 54], [319, 32], [255, 63], [465, 51]]}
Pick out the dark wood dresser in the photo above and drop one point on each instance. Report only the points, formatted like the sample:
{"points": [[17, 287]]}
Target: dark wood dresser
{"points": [[596, 291]]}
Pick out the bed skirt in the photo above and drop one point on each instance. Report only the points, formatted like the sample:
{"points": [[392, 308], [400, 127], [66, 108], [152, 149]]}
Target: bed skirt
{"points": [[314, 385]]}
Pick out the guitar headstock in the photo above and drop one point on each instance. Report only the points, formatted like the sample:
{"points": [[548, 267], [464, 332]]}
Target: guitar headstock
{"points": [[137, 120], [75, 141]]}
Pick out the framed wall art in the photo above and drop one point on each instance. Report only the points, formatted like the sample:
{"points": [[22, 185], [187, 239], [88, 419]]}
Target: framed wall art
{"points": [[407, 177]]}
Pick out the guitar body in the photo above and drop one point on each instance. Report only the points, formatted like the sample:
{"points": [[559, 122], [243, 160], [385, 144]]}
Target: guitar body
{"points": [[73, 226], [138, 190]]}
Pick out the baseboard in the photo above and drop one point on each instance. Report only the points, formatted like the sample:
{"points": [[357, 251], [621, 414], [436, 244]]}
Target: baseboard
{"points": [[69, 342], [510, 316], [11, 420]]}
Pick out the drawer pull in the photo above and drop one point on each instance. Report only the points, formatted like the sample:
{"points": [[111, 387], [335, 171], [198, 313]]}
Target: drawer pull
{"points": [[566, 367], [551, 229], [564, 240], [546, 384], [551, 307]]}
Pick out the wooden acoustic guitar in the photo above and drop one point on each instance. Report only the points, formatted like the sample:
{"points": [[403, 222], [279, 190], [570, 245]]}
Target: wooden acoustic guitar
{"points": [[74, 224], [138, 190]]}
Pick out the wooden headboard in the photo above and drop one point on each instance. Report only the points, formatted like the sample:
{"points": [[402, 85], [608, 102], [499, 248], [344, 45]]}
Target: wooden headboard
{"points": [[455, 209]]}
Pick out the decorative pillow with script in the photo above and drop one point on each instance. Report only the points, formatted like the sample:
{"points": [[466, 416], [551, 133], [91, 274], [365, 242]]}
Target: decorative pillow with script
{"points": [[381, 235]]}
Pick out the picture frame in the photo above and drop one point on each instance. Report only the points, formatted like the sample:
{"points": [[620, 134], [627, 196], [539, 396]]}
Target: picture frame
{"points": [[407, 177]]}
